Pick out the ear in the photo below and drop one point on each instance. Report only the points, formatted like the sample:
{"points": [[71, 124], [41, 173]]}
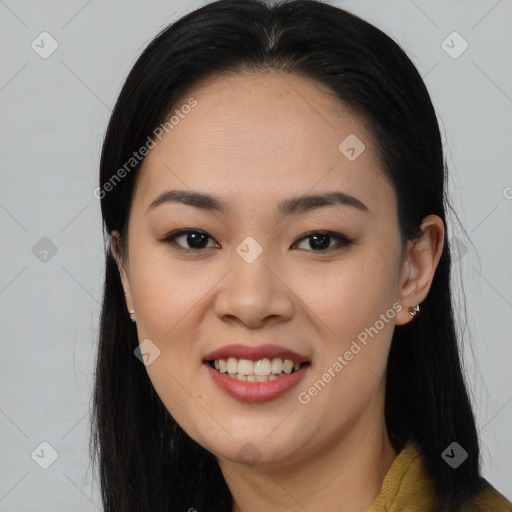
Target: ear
{"points": [[123, 266], [419, 266]]}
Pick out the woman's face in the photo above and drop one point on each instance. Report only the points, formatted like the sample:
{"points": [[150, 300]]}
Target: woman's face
{"points": [[256, 274]]}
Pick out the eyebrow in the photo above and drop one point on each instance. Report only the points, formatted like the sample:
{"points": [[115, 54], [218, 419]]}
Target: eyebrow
{"points": [[291, 206]]}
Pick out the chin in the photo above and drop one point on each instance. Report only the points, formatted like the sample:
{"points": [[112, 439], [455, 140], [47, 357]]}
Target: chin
{"points": [[272, 451]]}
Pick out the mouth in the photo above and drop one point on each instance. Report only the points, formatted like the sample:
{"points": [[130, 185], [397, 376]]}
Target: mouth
{"points": [[256, 373], [261, 370], [256, 381]]}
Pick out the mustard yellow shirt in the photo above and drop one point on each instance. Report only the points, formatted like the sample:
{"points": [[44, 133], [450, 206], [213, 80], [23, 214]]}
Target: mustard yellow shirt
{"points": [[407, 487]]}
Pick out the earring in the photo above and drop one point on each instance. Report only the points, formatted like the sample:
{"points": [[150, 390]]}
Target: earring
{"points": [[414, 310], [132, 317]]}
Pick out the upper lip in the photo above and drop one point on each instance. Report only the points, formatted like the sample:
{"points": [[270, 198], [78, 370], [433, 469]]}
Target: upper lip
{"points": [[255, 353]]}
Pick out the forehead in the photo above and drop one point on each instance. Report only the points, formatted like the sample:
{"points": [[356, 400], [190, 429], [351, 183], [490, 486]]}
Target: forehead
{"points": [[253, 133]]}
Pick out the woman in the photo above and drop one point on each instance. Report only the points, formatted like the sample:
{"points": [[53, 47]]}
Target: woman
{"points": [[277, 330]]}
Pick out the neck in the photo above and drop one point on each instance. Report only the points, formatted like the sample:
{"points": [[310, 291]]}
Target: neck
{"points": [[344, 475]]}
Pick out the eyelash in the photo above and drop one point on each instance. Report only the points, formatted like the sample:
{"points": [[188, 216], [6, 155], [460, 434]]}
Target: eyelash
{"points": [[343, 240]]}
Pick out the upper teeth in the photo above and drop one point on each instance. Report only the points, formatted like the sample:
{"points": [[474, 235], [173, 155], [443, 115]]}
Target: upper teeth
{"points": [[260, 367]]}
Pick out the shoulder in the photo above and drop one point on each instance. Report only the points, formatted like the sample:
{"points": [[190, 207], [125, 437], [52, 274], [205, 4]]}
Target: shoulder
{"points": [[488, 499], [407, 487]]}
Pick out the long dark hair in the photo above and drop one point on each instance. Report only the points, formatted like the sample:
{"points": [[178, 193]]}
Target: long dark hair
{"points": [[146, 461]]}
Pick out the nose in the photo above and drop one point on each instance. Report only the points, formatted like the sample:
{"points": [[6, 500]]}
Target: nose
{"points": [[254, 294]]}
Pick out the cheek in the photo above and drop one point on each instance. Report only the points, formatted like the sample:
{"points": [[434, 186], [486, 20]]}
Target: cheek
{"points": [[355, 305], [350, 295], [164, 291], [357, 319], [170, 307]]}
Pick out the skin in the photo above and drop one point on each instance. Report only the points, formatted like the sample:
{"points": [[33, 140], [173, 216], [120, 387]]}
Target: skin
{"points": [[254, 140]]}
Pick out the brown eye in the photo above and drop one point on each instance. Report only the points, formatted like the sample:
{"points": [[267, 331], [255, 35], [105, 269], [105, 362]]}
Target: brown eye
{"points": [[320, 241], [195, 239]]}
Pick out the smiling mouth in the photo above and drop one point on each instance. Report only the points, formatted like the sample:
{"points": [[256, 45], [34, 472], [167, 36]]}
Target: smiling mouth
{"points": [[262, 370]]}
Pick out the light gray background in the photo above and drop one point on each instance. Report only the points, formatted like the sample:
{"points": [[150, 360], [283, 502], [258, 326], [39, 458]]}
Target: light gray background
{"points": [[53, 115]]}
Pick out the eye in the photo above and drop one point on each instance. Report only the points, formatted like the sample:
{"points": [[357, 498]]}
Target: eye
{"points": [[196, 239], [320, 240]]}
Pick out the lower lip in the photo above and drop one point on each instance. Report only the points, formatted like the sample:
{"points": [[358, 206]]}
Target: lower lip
{"points": [[256, 391]]}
